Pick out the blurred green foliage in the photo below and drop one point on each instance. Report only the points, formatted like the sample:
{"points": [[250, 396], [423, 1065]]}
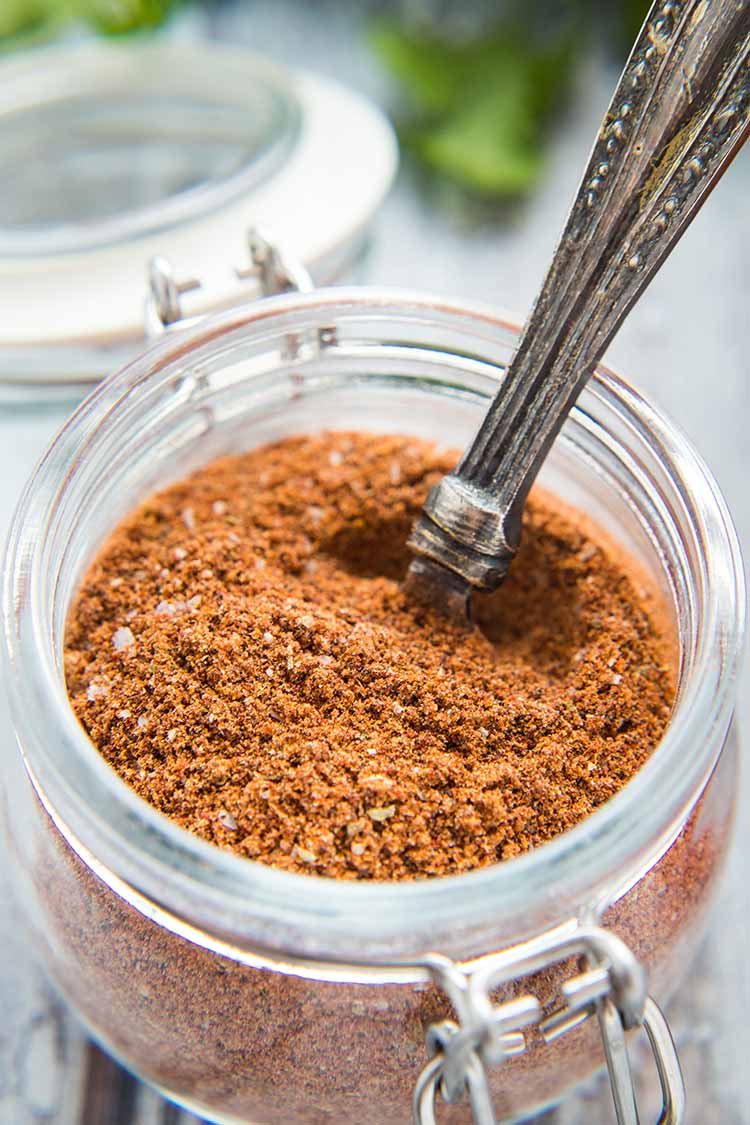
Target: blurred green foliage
{"points": [[476, 108], [26, 18]]}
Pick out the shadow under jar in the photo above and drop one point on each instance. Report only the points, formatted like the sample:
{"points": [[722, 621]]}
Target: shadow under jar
{"points": [[252, 994]]}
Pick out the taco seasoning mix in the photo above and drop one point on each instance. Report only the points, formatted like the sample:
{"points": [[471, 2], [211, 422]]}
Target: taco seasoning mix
{"points": [[242, 653]]}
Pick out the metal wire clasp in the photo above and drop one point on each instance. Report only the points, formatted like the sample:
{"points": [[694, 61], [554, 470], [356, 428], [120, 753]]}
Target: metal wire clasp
{"points": [[611, 985], [275, 273]]}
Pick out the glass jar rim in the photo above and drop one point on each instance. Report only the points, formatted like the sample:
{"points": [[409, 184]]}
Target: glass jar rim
{"points": [[321, 917], [130, 88]]}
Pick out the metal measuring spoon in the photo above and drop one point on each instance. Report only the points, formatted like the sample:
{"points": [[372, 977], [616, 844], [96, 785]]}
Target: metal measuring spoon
{"points": [[679, 115]]}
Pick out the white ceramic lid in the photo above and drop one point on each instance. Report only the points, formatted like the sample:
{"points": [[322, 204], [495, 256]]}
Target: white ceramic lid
{"points": [[111, 155]]}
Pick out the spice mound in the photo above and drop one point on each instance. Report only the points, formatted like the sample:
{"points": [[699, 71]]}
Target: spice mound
{"points": [[243, 654]]}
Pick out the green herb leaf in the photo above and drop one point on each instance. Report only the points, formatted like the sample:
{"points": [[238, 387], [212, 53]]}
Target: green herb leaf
{"points": [[117, 17], [433, 71], [21, 18], [478, 109], [18, 17]]}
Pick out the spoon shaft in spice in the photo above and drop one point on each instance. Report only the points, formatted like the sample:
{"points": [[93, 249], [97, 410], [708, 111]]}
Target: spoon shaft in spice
{"points": [[679, 115]]}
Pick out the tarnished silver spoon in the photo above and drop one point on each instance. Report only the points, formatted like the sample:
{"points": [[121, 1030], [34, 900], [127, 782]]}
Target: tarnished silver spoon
{"points": [[679, 115]]}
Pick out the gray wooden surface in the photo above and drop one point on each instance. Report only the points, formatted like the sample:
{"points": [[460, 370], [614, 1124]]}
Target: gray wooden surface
{"points": [[687, 345]]}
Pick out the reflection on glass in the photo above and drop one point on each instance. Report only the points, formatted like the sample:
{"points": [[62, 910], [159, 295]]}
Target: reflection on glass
{"points": [[111, 152]]}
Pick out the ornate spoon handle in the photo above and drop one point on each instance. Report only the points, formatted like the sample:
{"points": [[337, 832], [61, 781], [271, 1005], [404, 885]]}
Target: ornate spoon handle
{"points": [[679, 115]]}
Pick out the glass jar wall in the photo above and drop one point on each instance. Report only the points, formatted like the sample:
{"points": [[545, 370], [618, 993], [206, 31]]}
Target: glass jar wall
{"points": [[254, 994]]}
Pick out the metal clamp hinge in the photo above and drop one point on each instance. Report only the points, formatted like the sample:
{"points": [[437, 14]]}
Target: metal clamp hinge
{"points": [[275, 273], [611, 985]]}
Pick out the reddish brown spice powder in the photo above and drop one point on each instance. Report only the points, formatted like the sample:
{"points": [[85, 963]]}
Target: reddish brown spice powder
{"points": [[243, 654], [270, 1047]]}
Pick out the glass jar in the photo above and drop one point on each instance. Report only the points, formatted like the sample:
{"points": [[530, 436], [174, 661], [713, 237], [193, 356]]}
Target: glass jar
{"points": [[112, 154], [252, 994]]}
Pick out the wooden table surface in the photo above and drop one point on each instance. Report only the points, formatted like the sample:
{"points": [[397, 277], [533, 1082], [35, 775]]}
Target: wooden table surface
{"points": [[686, 345]]}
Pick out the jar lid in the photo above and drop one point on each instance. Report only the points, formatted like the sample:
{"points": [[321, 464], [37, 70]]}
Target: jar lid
{"points": [[111, 155]]}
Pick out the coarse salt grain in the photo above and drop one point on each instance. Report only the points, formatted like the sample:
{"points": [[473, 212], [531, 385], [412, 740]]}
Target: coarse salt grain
{"points": [[381, 814], [96, 690], [124, 714], [325, 660], [267, 637], [188, 518], [172, 734], [142, 722], [378, 780], [397, 709], [269, 673], [115, 582], [227, 820], [219, 507], [304, 854], [335, 458], [123, 638], [358, 849], [180, 553]]}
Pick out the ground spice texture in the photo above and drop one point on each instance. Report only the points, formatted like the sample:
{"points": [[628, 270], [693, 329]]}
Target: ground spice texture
{"points": [[265, 1046], [243, 654]]}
